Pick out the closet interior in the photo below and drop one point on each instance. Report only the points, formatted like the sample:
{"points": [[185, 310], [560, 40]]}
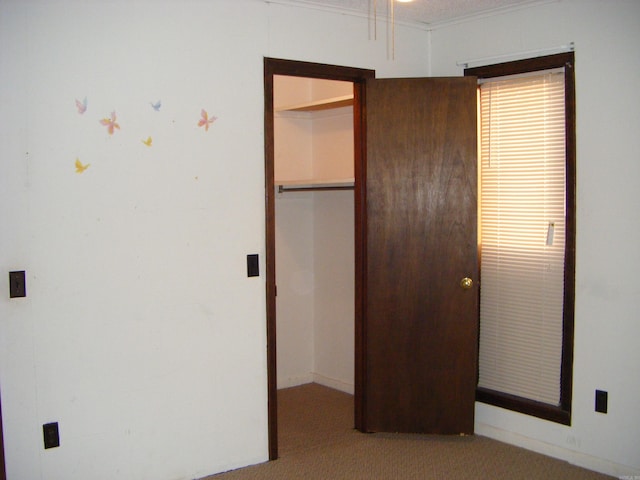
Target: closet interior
{"points": [[314, 226]]}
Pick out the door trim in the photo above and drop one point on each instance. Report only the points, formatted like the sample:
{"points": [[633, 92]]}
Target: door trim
{"points": [[3, 471], [358, 77]]}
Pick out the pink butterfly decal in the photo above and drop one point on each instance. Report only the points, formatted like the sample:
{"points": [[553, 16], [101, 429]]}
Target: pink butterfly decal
{"points": [[205, 121], [81, 105], [110, 123]]}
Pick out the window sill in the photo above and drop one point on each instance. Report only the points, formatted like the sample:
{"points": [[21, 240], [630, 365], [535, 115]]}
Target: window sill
{"points": [[553, 413]]}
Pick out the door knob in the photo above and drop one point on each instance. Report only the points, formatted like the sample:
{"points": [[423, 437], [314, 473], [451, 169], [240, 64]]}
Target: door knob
{"points": [[466, 283]]}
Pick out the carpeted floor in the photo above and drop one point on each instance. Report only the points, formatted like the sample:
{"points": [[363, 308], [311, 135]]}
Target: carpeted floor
{"points": [[317, 441]]}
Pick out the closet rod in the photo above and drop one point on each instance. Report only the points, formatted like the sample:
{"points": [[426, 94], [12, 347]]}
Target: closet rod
{"points": [[283, 189]]}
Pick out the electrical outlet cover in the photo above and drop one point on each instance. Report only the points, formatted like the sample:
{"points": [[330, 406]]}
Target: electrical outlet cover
{"points": [[601, 401]]}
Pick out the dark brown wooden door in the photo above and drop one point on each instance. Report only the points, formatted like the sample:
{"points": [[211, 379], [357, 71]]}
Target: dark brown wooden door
{"points": [[420, 325]]}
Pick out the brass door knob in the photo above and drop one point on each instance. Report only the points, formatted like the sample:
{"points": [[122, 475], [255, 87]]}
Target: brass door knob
{"points": [[466, 283]]}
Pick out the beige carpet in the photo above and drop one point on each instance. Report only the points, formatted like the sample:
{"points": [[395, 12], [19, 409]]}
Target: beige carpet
{"points": [[317, 441]]}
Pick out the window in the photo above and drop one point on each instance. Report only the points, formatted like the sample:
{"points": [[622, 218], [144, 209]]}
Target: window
{"points": [[527, 235]]}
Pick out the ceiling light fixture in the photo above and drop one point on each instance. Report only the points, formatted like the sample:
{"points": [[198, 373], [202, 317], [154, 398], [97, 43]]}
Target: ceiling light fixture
{"points": [[392, 5], [391, 23]]}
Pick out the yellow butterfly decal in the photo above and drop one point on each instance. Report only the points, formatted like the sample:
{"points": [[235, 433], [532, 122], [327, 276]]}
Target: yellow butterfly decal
{"points": [[148, 141], [80, 167]]}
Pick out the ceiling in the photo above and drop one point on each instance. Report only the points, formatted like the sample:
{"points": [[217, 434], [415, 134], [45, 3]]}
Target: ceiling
{"points": [[418, 11]]}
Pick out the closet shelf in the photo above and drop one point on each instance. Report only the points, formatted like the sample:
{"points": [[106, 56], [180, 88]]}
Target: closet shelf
{"points": [[310, 185], [325, 104]]}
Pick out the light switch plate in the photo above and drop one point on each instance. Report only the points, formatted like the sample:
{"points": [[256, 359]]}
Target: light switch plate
{"points": [[253, 268], [17, 284], [51, 435]]}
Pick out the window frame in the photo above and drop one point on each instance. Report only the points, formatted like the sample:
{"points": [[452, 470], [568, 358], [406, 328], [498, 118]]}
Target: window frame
{"points": [[557, 413]]}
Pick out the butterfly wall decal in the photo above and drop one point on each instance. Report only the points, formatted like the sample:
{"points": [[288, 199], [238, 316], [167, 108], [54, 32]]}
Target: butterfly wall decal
{"points": [[110, 123], [80, 167], [148, 141], [156, 106], [81, 105], [205, 120]]}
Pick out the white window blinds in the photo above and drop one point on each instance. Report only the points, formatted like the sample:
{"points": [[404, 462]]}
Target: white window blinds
{"points": [[522, 234]]}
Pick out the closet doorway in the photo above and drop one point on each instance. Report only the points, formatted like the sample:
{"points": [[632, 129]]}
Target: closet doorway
{"points": [[312, 128]]}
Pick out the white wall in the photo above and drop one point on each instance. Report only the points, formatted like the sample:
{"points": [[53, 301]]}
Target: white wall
{"points": [[334, 307], [607, 357], [295, 277], [333, 144], [141, 334], [334, 251]]}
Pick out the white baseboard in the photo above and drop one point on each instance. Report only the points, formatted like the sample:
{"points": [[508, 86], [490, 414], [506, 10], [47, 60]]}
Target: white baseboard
{"points": [[333, 383], [294, 381], [297, 380], [571, 456]]}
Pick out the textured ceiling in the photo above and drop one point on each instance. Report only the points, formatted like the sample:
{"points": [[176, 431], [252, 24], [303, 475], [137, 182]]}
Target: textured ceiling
{"points": [[418, 11]]}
